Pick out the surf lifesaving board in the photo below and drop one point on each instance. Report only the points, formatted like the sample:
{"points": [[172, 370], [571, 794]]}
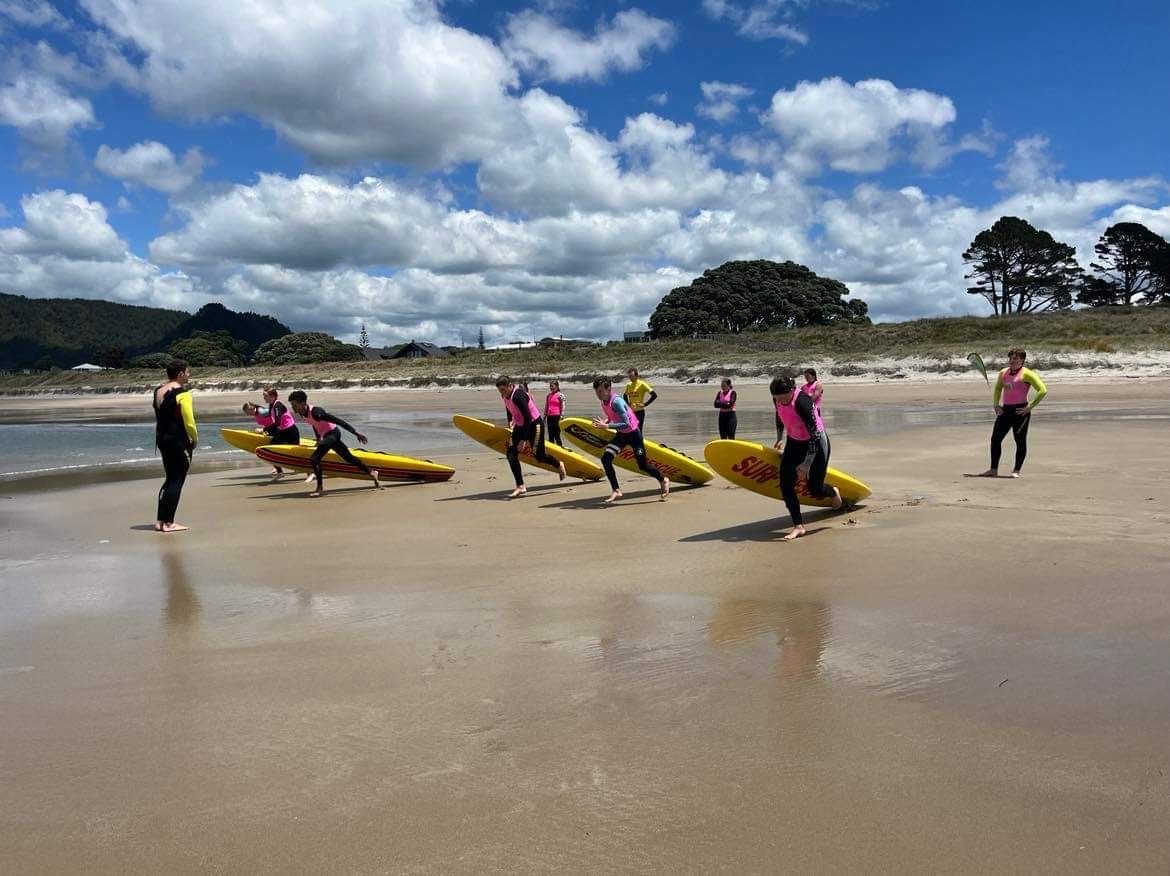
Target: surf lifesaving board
{"points": [[246, 439], [497, 438], [675, 464], [757, 468], [388, 466]]}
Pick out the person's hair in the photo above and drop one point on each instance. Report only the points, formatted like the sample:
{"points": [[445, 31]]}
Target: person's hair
{"points": [[503, 381], [602, 383], [782, 385], [270, 390], [726, 380], [633, 371], [810, 372], [297, 396], [175, 367], [248, 406], [553, 383], [1023, 354]]}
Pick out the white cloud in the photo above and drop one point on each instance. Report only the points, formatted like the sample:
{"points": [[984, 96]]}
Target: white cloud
{"points": [[859, 128], [64, 224], [721, 100], [151, 164], [538, 44], [31, 13], [43, 112], [764, 20], [1028, 165], [660, 98], [346, 82]]}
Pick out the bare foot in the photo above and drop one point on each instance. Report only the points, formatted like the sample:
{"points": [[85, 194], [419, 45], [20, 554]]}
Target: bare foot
{"points": [[276, 472], [837, 500], [310, 477], [797, 532], [990, 473], [1014, 474], [518, 492], [561, 470], [173, 527], [665, 489], [316, 494], [613, 497], [377, 483]]}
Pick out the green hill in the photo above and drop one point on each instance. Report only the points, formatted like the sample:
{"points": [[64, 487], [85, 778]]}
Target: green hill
{"points": [[251, 328]]}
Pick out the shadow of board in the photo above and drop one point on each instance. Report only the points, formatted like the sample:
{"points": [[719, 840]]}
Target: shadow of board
{"points": [[770, 530], [334, 491], [502, 492], [629, 497]]}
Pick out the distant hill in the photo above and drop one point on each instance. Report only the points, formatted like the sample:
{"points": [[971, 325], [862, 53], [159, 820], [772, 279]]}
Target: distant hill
{"points": [[69, 331]]}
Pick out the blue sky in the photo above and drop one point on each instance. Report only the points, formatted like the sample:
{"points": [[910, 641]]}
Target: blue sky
{"points": [[555, 167]]}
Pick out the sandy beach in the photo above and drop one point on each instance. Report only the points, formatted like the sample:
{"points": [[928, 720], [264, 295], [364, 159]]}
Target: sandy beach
{"points": [[961, 675]]}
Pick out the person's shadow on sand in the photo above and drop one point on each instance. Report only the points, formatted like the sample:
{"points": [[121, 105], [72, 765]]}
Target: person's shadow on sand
{"points": [[772, 529], [501, 493], [629, 497]]}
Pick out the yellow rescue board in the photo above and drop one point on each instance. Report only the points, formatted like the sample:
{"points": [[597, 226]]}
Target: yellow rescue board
{"points": [[757, 468], [246, 439], [388, 466], [675, 464], [497, 438]]}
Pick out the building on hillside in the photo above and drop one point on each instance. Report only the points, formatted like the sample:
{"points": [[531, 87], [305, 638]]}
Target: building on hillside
{"points": [[418, 350], [565, 342], [87, 366], [376, 354], [635, 337]]}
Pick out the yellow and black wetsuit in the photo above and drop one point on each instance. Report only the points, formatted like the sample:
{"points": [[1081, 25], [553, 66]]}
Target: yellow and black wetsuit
{"points": [[176, 436]]}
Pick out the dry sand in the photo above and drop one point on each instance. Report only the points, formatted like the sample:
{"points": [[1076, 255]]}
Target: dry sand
{"points": [[962, 675]]}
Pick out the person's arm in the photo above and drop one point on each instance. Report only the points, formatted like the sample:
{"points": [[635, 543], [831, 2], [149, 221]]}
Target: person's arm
{"points": [[718, 403], [998, 393], [322, 414], [564, 402], [1033, 380], [653, 395], [818, 391], [187, 411], [733, 399], [779, 429], [807, 410], [522, 402]]}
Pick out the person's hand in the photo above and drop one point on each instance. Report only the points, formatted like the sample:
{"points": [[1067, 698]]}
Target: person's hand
{"points": [[600, 423], [802, 471], [524, 446], [776, 445], [1023, 412], [361, 438], [258, 431], [998, 411]]}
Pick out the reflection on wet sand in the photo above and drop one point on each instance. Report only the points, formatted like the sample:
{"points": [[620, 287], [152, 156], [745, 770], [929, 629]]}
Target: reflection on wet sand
{"points": [[802, 630], [182, 609]]}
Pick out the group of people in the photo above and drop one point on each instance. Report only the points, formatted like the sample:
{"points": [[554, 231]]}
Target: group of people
{"points": [[800, 431]]}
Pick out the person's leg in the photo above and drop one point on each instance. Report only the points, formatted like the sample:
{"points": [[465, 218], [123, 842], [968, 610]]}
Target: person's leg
{"points": [[1003, 425], [1020, 433], [611, 451], [539, 453], [554, 430], [638, 446], [513, 454], [315, 461], [732, 425], [722, 425], [818, 470], [641, 420], [175, 465], [790, 459]]}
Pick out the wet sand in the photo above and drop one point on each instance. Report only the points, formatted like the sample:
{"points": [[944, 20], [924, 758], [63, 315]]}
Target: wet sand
{"points": [[962, 675]]}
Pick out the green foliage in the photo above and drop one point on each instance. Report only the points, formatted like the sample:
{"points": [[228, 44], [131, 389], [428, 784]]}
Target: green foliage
{"points": [[252, 329], [114, 357], [1021, 269], [210, 348], [754, 295], [1131, 266], [305, 347], [154, 361], [73, 330]]}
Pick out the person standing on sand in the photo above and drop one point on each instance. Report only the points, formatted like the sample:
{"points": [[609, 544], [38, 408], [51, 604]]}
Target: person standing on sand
{"points": [[725, 402], [527, 431], [1012, 387], [176, 437], [554, 407], [326, 428], [620, 416], [639, 395], [812, 387], [806, 452]]}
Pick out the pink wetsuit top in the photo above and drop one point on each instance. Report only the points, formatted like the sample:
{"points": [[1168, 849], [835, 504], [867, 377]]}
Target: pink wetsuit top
{"points": [[612, 416], [793, 423], [554, 404], [514, 409], [320, 427], [1015, 390], [725, 398], [813, 390]]}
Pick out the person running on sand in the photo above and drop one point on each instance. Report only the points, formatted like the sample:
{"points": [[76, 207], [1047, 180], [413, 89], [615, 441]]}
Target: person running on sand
{"points": [[325, 427], [806, 452], [1012, 386], [639, 395], [276, 421], [620, 416], [812, 387], [554, 407], [176, 437], [725, 402], [527, 431]]}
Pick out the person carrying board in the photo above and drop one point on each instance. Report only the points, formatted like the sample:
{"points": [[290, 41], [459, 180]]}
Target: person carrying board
{"points": [[328, 428], [527, 431], [806, 451], [620, 416]]}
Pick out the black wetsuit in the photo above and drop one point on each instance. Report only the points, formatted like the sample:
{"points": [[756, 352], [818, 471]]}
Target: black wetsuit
{"points": [[291, 435], [331, 440], [728, 422], [1011, 421], [529, 429], [175, 447], [814, 453]]}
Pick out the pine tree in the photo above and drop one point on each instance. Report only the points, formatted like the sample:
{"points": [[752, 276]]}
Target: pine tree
{"points": [[364, 339], [481, 345]]}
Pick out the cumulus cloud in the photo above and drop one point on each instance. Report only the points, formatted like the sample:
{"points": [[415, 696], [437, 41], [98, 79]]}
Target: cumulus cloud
{"points": [[858, 128], [1028, 165], [659, 98], [64, 224], [31, 13], [721, 100], [151, 164], [346, 82], [538, 44], [42, 111], [765, 20]]}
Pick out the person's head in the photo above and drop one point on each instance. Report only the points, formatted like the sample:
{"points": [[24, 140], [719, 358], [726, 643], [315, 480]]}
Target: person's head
{"points": [[299, 401], [250, 408], [603, 388], [554, 386], [726, 384], [270, 394], [504, 386], [632, 373], [1017, 358], [810, 375], [782, 389], [178, 371]]}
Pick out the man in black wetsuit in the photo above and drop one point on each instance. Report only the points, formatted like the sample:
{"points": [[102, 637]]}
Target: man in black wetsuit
{"points": [[175, 436], [325, 427]]}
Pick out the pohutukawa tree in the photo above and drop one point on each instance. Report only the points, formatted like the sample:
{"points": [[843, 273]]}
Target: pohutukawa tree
{"points": [[1130, 267], [760, 294], [1021, 269]]}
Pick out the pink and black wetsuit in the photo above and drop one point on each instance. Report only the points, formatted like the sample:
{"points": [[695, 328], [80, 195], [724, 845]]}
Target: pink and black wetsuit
{"points": [[554, 406], [622, 418], [325, 427], [526, 426], [814, 391], [725, 402], [280, 425], [807, 446]]}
